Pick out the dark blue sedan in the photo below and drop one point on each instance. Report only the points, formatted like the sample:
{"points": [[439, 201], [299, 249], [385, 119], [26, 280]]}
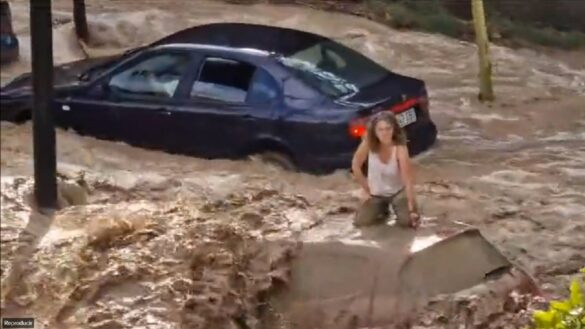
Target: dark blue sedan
{"points": [[230, 90]]}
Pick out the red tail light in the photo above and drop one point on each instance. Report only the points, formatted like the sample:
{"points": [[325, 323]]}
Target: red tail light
{"points": [[357, 128]]}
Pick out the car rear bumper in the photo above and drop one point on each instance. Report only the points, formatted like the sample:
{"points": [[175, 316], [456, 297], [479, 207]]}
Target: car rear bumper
{"points": [[421, 137]]}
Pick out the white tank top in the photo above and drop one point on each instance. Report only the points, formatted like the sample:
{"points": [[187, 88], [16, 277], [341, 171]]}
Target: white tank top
{"points": [[384, 178]]}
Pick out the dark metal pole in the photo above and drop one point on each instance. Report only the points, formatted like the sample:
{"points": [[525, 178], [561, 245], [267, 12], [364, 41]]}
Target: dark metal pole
{"points": [[80, 19], [45, 161]]}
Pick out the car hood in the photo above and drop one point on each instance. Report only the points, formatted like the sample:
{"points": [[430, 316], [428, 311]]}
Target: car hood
{"points": [[65, 75]]}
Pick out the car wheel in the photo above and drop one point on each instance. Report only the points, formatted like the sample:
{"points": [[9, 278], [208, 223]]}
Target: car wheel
{"points": [[278, 159]]}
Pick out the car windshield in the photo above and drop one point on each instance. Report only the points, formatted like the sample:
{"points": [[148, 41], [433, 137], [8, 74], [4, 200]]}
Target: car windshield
{"points": [[93, 71], [334, 69], [97, 69]]}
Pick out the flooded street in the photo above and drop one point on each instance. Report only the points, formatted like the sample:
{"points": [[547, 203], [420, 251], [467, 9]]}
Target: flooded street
{"points": [[159, 240]]}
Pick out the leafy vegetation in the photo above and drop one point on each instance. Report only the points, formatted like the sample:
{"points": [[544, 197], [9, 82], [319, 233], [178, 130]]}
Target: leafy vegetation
{"points": [[421, 15], [544, 36], [431, 16], [564, 314]]}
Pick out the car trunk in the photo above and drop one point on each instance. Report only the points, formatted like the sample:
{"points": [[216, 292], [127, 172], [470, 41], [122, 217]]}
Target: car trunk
{"points": [[391, 91], [394, 93]]}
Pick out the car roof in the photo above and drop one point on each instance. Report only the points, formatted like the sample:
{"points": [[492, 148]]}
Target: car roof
{"points": [[269, 39], [247, 51]]}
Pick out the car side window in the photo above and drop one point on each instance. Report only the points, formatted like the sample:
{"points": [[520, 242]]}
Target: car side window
{"points": [[263, 88], [223, 80], [158, 76], [234, 82]]}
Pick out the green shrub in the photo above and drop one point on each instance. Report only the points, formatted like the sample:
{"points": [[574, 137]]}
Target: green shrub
{"points": [[431, 16], [428, 16], [544, 36], [564, 314]]}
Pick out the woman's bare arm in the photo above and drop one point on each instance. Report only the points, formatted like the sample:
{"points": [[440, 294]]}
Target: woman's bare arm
{"points": [[357, 162], [407, 174]]}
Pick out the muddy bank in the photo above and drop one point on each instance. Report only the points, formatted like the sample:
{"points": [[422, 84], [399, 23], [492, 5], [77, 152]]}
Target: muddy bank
{"points": [[142, 263]]}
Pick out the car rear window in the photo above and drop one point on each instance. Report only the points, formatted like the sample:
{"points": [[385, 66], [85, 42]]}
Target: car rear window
{"points": [[334, 69]]}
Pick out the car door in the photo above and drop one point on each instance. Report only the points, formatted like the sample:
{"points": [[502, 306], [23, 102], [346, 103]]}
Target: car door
{"points": [[134, 103], [144, 95], [231, 102]]}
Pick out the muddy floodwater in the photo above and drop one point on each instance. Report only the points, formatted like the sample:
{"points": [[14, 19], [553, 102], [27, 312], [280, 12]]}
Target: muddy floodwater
{"points": [[153, 240]]}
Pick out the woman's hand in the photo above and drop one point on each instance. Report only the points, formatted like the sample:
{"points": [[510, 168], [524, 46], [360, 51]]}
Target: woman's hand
{"points": [[408, 179], [364, 193], [367, 190], [414, 219]]}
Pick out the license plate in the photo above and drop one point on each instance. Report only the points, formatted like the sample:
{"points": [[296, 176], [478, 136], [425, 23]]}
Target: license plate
{"points": [[407, 117]]}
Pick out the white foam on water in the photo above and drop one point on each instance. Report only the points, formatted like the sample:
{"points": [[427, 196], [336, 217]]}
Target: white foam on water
{"points": [[574, 172], [567, 211], [56, 235], [513, 178], [485, 117], [564, 136]]}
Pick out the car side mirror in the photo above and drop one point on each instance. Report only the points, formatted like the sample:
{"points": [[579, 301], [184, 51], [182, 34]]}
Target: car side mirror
{"points": [[105, 86], [84, 77], [100, 88]]}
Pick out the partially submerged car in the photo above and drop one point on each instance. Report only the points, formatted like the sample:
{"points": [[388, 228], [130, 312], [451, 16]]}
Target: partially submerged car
{"points": [[229, 90]]}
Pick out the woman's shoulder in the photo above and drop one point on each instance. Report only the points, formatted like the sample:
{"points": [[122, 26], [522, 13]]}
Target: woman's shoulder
{"points": [[401, 147], [402, 151]]}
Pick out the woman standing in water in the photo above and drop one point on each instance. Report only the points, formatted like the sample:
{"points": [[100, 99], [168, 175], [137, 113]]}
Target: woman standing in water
{"points": [[390, 178]]}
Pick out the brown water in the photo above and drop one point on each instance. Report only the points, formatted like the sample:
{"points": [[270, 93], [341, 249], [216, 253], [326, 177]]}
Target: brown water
{"points": [[160, 230]]}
